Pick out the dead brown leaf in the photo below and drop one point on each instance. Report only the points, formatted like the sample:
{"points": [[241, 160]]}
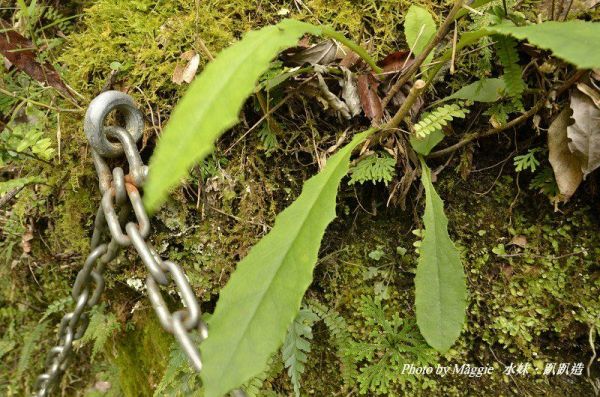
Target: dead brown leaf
{"points": [[396, 62], [188, 72], [350, 92], [519, 240], [21, 53], [585, 132], [369, 98], [26, 241], [566, 165], [322, 53]]}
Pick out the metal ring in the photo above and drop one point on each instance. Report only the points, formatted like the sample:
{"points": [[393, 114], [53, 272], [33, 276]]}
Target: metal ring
{"points": [[96, 114]]}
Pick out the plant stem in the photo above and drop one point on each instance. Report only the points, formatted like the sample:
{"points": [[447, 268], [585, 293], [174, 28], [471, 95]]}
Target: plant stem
{"points": [[410, 71], [327, 31], [382, 132], [514, 122]]}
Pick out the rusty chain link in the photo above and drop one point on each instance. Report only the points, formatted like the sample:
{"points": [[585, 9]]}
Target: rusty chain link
{"points": [[113, 230]]}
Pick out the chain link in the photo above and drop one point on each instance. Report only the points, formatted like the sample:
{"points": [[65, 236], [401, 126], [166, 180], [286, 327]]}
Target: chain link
{"points": [[120, 198]]}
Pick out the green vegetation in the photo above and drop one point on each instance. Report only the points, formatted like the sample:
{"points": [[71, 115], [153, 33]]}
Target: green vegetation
{"points": [[531, 272]]}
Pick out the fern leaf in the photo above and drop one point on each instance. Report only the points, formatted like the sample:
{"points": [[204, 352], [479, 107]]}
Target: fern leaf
{"points": [[506, 48], [102, 326], [340, 337], [438, 118], [375, 168], [29, 344], [253, 387], [56, 307], [177, 366], [6, 346], [297, 346]]}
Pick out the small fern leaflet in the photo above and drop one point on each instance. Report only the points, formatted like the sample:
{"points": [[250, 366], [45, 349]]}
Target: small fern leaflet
{"points": [[438, 118], [506, 48], [297, 346]]}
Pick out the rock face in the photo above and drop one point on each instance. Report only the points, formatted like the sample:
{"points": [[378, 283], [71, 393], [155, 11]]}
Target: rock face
{"points": [[529, 302]]}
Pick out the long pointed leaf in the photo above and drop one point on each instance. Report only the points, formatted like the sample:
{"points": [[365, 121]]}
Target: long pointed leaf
{"points": [[212, 104], [263, 296], [440, 287]]}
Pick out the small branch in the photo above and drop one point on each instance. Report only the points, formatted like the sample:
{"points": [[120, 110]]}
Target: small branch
{"points": [[388, 129], [10, 94], [492, 131], [410, 71], [408, 103], [523, 117]]}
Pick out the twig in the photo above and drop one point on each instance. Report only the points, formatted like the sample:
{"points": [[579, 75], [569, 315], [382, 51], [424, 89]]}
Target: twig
{"points": [[393, 124], [10, 94], [263, 118], [492, 131], [523, 117], [410, 71]]}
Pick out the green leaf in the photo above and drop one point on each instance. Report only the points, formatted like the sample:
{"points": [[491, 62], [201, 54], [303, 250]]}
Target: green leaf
{"points": [[419, 28], [212, 104], [440, 287], [484, 90], [297, 346], [424, 145], [263, 295], [574, 41], [438, 118], [475, 4], [506, 48], [17, 183]]}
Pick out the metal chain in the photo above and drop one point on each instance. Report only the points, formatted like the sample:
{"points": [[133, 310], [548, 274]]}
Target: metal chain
{"points": [[120, 195]]}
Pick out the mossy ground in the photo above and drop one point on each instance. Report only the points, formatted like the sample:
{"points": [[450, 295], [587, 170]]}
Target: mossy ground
{"points": [[533, 303]]}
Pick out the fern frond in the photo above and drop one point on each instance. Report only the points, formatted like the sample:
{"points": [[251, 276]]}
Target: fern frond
{"points": [[506, 48], [297, 346], [56, 307], [438, 118], [253, 387], [339, 335], [177, 366], [376, 168], [6, 346], [390, 343], [102, 326], [29, 344]]}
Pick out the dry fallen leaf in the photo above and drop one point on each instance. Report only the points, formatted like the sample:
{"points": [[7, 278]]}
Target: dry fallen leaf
{"points": [[519, 240], [187, 73], [350, 92], [21, 53], [369, 99], [26, 241], [566, 165], [332, 100], [585, 132], [396, 61], [322, 53], [591, 92]]}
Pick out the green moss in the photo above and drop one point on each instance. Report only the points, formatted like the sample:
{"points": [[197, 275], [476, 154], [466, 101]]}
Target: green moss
{"points": [[141, 355]]}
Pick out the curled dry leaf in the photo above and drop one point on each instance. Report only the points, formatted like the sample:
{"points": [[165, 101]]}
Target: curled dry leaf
{"points": [[21, 53], [350, 92], [585, 132], [396, 62], [369, 98], [519, 240], [566, 165], [322, 53], [186, 73], [332, 100], [593, 93]]}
